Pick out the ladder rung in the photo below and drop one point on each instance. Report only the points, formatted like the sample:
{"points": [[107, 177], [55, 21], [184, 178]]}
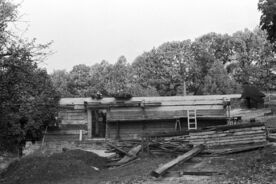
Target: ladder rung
{"points": [[192, 121]]}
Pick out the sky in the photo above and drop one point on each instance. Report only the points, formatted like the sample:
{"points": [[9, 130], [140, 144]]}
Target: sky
{"points": [[89, 31]]}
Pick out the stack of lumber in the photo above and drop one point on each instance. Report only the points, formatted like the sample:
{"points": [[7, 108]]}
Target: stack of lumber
{"points": [[230, 135]]}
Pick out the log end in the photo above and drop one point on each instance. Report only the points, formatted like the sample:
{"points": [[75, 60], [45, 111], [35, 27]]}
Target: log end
{"points": [[154, 174]]}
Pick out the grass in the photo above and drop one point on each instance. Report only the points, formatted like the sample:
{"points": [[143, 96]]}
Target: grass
{"points": [[252, 167]]}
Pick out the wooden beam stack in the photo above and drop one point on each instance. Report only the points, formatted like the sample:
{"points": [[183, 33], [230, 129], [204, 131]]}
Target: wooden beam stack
{"points": [[230, 135]]}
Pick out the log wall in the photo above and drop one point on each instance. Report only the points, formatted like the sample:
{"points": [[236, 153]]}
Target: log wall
{"points": [[133, 119], [72, 121], [208, 106], [136, 129], [164, 112]]}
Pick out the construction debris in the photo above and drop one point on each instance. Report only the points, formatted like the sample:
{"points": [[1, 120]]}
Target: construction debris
{"points": [[133, 152], [131, 155], [118, 149], [161, 170], [174, 146], [219, 140]]}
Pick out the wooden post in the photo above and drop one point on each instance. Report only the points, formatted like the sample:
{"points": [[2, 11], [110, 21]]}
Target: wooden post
{"points": [[106, 130], [184, 89], [107, 135], [118, 131], [89, 123], [80, 138], [96, 123]]}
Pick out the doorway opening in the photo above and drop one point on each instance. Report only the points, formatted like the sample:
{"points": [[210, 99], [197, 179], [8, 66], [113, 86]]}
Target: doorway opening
{"points": [[98, 124]]}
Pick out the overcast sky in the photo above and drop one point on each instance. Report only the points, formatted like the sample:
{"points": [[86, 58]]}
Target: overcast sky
{"points": [[88, 31]]}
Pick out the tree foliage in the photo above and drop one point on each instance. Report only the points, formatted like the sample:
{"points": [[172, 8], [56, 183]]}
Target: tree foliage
{"points": [[217, 81], [60, 79], [245, 57], [165, 68], [268, 18], [28, 100]]}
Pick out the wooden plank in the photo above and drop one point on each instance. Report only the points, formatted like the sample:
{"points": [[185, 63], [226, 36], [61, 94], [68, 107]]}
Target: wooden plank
{"points": [[206, 132], [238, 149], [225, 139], [161, 170], [89, 123], [233, 143], [193, 102], [194, 173], [150, 99], [225, 134], [230, 138], [230, 142], [167, 108]]}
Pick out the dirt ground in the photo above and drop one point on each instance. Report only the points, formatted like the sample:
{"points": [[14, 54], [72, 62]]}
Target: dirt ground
{"points": [[78, 167], [257, 166]]}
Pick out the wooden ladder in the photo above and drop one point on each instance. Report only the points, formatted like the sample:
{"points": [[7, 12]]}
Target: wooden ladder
{"points": [[192, 121]]}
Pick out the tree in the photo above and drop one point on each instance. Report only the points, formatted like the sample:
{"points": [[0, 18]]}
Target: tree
{"points": [[79, 81], [165, 68], [100, 76], [61, 79], [217, 45], [254, 56], [217, 81], [203, 61], [28, 101], [119, 81], [268, 18]]}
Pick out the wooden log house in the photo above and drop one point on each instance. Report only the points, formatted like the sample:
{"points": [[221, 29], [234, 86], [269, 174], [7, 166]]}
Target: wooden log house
{"points": [[130, 119]]}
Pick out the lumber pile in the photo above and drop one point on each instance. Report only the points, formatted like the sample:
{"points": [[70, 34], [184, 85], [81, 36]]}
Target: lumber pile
{"points": [[230, 135], [249, 134]]}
